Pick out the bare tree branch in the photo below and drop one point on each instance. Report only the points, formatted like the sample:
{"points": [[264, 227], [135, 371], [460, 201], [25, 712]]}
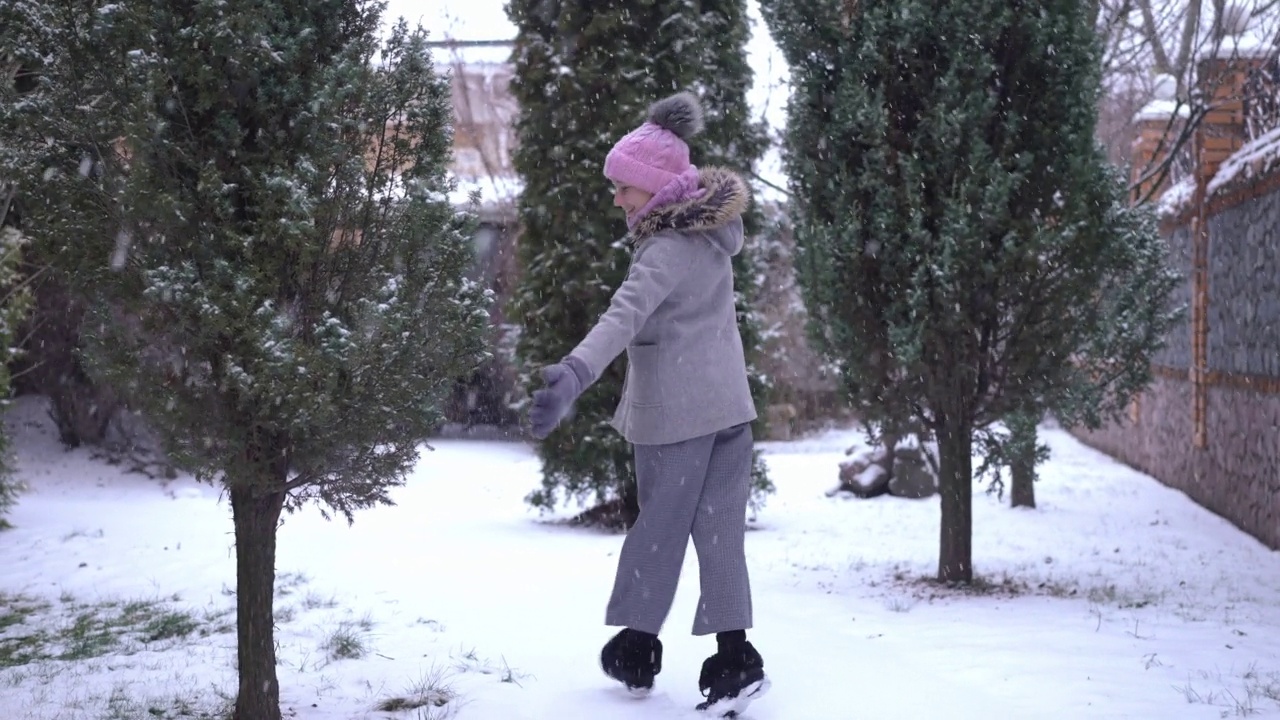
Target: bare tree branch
{"points": [[769, 184], [1190, 30], [1152, 33]]}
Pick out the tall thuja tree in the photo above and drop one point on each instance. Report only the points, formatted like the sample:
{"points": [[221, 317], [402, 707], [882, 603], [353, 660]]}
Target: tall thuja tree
{"points": [[585, 74], [290, 272], [15, 307], [965, 250]]}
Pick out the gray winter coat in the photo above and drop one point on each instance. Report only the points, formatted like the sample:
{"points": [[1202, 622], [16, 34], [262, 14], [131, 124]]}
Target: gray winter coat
{"points": [[675, 317]]}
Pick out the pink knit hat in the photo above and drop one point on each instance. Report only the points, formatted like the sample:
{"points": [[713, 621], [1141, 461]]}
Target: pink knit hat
{"points": [[654, 157]]}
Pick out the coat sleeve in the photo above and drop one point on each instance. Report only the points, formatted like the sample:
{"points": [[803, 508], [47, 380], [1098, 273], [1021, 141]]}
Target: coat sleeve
{"points": [[659, 267]]}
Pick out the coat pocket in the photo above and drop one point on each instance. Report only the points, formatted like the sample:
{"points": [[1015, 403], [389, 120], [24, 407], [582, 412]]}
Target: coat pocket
{"points": [[644, 388]]}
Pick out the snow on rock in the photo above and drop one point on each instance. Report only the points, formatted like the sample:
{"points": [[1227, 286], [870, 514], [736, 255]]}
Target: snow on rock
{"points": [[869, 477]]}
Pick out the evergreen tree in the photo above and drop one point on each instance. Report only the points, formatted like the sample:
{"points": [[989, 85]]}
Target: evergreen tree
{"points": [[966, 252], [585, 74], [1024, 454], [289, 271], [15, 305], [1017, 448]]}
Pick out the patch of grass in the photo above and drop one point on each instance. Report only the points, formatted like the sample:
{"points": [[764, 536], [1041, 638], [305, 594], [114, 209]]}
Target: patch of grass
{"points": [[929, 588], [78, 533], [87, 637], [898, 605], [169, 624], [346, 642], [468, 658], [510, 675], [1261, 685], [20, 604], [22, 641], [1010, 584], [1058, 589], [315, 600], [1255, 687], [218, 621], [435, 625], [23, 649], [38, 631], [285, 614], [287, 582], [1109, 594], [123, 705], [15, 609], [431, 695], [470, 661]]}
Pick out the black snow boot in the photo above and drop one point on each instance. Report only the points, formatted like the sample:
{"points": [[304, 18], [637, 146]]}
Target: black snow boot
{"points": [[633, 658], [733, 677]]}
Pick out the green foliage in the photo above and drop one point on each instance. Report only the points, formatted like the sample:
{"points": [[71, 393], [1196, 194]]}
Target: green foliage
{"points": [[259, 212], [15, 306], [285, 295], [585, 75], [964, 248], [955, 215], [1016, 448]]}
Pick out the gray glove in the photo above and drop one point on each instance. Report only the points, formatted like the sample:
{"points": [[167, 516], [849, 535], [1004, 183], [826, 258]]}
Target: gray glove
{"points": [[565, 381]]}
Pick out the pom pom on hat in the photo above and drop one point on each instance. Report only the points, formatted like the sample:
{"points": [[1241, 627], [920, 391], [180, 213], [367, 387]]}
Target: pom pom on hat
{"points": [[681, 114]]}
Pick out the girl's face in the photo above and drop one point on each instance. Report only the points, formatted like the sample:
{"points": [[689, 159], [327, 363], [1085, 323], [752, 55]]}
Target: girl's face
{"points": [[629, 198]]}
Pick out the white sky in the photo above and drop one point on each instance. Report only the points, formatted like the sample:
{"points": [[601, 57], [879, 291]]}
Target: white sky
{"points": [[469, 20]]}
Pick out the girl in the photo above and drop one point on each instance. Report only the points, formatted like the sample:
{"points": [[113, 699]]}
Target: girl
{"points": [[686, 407]]}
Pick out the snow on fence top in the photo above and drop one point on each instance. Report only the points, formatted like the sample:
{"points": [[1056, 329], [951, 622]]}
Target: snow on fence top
{"points": [[1257, 158]]}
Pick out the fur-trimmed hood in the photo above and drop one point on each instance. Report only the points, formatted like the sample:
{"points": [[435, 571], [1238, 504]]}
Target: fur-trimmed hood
{"points": [[723, 199]]}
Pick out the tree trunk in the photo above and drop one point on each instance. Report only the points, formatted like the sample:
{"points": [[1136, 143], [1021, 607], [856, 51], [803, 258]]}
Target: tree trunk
{"points": [[1022, 460], [255, 518], [955, 485], [81, 408]]}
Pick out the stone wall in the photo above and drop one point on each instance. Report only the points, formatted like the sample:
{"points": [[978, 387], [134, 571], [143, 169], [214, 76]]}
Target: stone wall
{"points": [[1236, 476], [1236, 473], [1244, 288], [1177, 350]]}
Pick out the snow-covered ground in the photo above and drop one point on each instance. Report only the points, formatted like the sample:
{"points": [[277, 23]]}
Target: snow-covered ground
{"points": [[1117, 598]]}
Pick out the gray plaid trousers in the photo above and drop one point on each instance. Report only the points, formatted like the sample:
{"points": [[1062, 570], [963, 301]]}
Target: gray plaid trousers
{"points": [[697, 487]]}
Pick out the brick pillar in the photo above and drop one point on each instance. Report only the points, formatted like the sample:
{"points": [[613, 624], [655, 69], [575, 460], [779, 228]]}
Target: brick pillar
{"points": [[1221, 131], [1159, 125], [1150, 148]]}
